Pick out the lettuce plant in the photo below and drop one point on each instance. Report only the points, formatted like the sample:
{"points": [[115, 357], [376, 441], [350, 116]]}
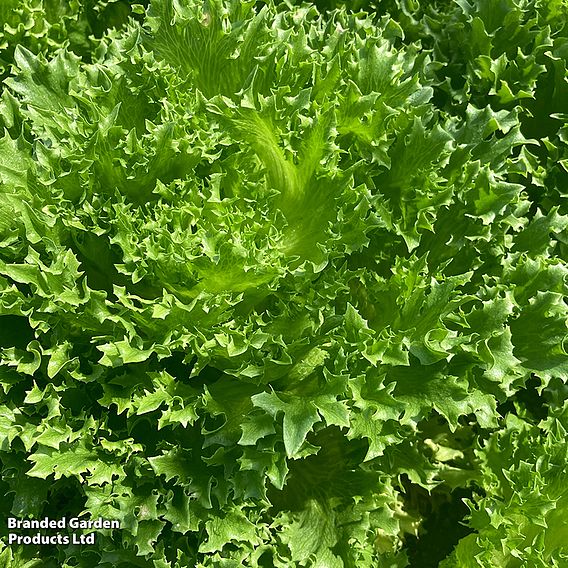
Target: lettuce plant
{"points": [[284, 286]]}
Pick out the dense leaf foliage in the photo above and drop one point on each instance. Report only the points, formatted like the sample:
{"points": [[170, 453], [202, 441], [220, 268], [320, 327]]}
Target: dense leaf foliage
{"points": [[282, 283]]}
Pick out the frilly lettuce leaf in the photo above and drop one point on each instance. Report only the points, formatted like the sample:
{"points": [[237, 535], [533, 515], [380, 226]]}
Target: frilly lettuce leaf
{"points": [[270, 276]]}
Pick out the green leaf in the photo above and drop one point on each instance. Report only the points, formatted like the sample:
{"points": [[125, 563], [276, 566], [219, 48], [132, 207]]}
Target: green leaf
{"points": [[233, 527], [299, 417]]}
